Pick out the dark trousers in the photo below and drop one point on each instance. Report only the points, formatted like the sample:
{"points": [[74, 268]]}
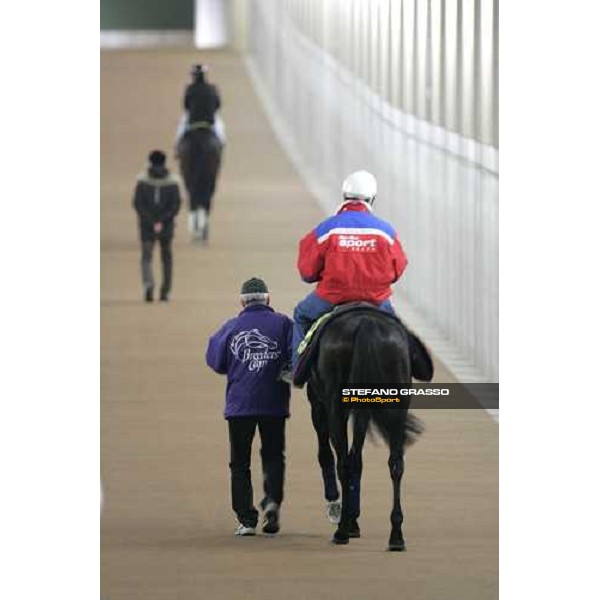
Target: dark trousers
{"points": [[272, 452], [166, 257]]}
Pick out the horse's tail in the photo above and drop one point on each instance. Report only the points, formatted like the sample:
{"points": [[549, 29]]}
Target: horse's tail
{"points": [[366, 367], [413, 428], [407, 425], [360, 372]]}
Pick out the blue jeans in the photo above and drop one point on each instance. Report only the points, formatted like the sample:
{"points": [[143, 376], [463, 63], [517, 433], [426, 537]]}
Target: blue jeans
{"points": [[308, 311]]}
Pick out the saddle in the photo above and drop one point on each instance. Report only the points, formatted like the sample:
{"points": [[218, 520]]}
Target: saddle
{"points": [[308, 351]]}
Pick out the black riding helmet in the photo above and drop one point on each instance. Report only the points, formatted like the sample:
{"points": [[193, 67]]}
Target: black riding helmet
{"points": [[198, 72]]}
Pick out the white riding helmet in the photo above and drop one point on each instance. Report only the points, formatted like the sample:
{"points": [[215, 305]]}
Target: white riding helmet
{"points": [[361, 185]]}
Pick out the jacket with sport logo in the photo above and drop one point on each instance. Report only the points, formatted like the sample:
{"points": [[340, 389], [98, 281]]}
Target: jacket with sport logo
{"points": [[353, 255], [251, 350]]}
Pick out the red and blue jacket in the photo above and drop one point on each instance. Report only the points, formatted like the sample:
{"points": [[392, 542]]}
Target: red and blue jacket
{"points": [[353, 255]]}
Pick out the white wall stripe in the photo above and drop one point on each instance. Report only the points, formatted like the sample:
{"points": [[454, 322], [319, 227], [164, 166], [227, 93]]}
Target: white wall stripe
{"points": [[145, 38]]}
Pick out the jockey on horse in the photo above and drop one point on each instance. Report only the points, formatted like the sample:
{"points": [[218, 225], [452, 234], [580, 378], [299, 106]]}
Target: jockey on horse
{"points": [[199, 148], [353, 255]]}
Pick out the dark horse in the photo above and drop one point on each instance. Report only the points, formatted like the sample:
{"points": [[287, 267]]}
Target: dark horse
{"points": [[200, 159], [364, 347]]}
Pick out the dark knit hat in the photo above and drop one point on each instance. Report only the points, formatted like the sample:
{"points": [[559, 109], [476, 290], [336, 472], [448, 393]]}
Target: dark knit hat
{"points": [[157, 158], [199, 72], [254, 286]]}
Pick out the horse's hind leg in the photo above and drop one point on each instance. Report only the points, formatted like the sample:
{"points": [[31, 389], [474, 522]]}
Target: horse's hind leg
{"points": [[325, 455], [355, 458], [396, 465], [340, 443]]}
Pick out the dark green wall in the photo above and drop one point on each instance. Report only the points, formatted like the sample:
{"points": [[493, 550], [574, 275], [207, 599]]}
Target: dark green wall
{"points": [[146, 14]]}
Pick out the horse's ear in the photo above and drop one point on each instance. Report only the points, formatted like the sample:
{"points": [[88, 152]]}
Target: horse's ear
{"points": [[420, 359]]}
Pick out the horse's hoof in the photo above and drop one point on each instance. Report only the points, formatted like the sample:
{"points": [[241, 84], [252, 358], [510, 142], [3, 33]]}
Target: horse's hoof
{"points": [[354, 531], [397, 547], [340, 538], [339, 541]]}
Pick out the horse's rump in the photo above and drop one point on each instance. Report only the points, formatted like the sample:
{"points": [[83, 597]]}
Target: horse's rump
{"points": [[200, 160], [421, 363], [367, 348]]}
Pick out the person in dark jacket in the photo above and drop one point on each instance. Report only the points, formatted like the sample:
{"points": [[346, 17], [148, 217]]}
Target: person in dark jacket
{"points": [[157, 201], [200, 150], [252, 349], [201, 99]]}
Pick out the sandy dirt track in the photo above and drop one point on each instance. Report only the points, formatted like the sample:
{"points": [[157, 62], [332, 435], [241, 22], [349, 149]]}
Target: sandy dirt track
{"points": [[167, 524]]}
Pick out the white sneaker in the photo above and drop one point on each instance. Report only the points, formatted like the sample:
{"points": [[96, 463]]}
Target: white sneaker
{"points": [[333, 511], [245, 531]]}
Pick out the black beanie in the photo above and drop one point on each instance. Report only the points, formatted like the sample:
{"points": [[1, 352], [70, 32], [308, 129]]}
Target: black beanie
{"points": [[199, 72], [254, 286], [157, 158]]}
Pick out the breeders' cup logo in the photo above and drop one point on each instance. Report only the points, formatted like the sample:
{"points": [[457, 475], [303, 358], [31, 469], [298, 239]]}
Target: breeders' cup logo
{"points": [[254, 348]]}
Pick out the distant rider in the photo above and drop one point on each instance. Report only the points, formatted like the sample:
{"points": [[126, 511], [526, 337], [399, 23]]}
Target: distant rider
{"points": [[353, 256], [199, 148]]}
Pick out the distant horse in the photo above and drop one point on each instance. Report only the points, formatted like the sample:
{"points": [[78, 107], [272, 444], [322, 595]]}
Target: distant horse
{"points": [[200, 160], [365, 347]]}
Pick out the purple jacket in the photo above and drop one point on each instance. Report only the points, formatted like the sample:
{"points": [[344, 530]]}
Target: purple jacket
{"points": [[251, 349]]}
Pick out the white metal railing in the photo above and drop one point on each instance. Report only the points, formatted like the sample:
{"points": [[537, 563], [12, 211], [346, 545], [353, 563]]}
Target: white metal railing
{"points": [[430, 151]]}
